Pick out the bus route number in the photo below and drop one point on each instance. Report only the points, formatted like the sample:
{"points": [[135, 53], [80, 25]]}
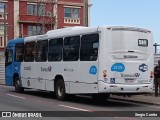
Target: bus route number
{"points": [[143, 42]]}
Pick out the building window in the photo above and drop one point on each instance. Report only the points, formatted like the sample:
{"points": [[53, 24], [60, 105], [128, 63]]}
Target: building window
{"points": [[33, 9], [71, 48], [72, 12], [1, 41], [2, 10], [1, 35], [2, 7], [41, 10], [1, 27], [34, 30]]}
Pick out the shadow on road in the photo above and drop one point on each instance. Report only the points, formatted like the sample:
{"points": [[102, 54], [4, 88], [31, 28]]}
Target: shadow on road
{"points": [[80, 99]]}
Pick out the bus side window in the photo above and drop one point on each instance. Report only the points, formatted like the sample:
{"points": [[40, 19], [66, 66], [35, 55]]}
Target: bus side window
{"points": [[89, 47], [29, 52], [55, 49], [8, 57], [41, 51], [19, 51], [71, 48]]}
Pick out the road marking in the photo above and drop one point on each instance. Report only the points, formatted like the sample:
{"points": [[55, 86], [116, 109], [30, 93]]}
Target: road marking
{"points": [[16, 96], [75, 108], [158, 107], [137, 103]]}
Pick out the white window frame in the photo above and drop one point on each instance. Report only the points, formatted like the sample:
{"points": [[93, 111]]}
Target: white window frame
{"points": [[72, 11]]}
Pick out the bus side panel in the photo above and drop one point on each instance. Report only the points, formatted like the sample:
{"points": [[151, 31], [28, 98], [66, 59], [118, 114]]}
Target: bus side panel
{"points": [[104, 63], [28, 74], [69, 72], [12, 68], [44, 76], [17, 68], [8, 76], [87, 78]]}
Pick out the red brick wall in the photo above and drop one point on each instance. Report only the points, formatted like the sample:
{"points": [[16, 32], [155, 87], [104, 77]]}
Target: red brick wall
{"points": [[23, 8], [10, 19], [61, 24]]}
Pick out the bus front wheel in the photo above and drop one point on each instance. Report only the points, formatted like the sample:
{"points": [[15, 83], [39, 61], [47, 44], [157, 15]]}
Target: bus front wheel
{"points": [[17, 85], [60, 90]]}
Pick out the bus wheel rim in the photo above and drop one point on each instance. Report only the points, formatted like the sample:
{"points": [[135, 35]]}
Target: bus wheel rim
{"points": [[60, 90]]}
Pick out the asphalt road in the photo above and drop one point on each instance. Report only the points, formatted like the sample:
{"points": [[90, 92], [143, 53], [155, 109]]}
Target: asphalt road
{"points": [[80, 107]]}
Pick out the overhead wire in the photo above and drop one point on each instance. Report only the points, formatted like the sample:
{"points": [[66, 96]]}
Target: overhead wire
{"points": [[17, 10]]}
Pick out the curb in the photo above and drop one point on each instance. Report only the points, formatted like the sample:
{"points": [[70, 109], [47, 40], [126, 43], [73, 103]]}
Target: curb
{"points": [[2, 82], [136, 101]]}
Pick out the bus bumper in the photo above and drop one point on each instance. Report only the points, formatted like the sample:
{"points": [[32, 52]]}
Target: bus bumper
{"points": [[122, 88]]}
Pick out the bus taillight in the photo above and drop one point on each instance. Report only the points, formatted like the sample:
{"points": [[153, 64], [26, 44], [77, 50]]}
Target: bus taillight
{"points": [[151, 74], [105, 73]]}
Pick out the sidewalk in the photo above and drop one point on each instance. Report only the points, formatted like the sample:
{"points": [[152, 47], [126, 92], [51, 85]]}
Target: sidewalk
{"points": [[145, 99], [2, 82]]}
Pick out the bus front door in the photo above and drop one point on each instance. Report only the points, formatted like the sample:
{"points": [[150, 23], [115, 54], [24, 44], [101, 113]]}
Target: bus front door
{"points": [[9, 67]]}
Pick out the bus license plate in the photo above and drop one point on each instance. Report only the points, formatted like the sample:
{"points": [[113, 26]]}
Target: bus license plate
{"points": [[129, 80]]}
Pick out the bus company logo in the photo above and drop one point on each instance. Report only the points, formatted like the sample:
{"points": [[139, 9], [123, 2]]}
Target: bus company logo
{"points": [[27, 68], [49, 69], [135, 75], [93, 70], [118, 67], [143, 67]]}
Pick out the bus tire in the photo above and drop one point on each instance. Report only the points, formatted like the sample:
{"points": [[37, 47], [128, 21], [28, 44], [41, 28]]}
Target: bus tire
{"points": [[17, 85], [60, 90]]}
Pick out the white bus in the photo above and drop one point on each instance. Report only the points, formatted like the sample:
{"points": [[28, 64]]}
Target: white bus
{"points": [[98, 61]]}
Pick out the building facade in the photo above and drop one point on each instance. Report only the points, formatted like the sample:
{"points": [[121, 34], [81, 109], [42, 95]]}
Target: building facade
{"points": [[22, 18]]}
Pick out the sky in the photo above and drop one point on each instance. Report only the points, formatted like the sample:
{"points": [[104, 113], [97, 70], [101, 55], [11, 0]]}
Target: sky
{"points": [[139, 13]]}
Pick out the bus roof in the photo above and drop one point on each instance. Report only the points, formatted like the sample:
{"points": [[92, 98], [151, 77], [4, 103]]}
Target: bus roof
{"points": [[128, 28], [80, 30], [17, 40], [67, 29]]}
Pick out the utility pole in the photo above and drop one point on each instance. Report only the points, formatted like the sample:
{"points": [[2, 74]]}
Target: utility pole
{"points": [[55, 14], [86, 13], [5, 27], [87, 6]]}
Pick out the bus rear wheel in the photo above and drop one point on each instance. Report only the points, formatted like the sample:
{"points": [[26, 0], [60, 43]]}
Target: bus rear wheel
{"points": [[60, 90], [17, 85]]}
